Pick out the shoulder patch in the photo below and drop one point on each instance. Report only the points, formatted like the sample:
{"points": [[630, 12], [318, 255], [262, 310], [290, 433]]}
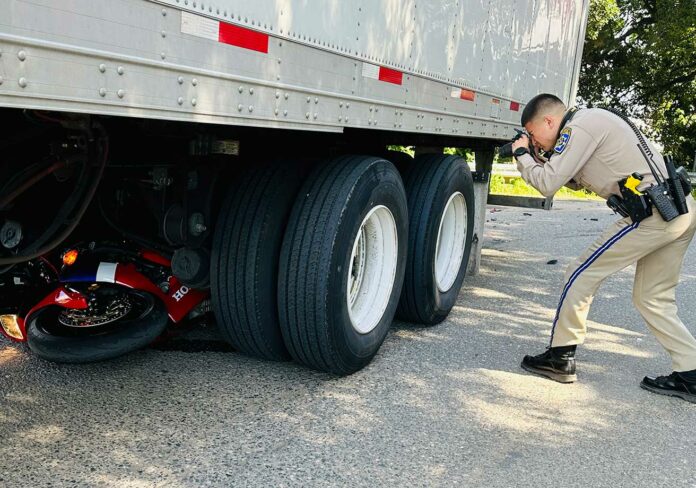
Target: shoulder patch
{"points": [[562, 141]]}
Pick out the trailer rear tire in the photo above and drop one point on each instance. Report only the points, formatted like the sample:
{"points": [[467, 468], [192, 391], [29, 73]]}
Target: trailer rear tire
{"points": [[244, 261], [341, 265], [441, 216]]}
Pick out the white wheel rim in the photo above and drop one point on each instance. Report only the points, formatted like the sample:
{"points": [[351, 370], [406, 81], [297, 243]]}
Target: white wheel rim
{"points": [[451, 242], [372, 269]]}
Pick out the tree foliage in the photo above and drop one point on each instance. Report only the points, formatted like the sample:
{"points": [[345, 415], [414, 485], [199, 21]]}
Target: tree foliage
{"points": [[640, 56]]}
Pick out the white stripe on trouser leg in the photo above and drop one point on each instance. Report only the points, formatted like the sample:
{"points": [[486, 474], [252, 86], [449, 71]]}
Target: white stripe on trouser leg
{"points": [[593, 257]]}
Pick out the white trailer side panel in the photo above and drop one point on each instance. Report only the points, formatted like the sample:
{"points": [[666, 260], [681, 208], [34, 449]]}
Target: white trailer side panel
{"points": [[461, 68]]}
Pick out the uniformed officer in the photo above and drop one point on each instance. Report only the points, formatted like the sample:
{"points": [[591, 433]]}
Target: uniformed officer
{"points": [[594, 149]]}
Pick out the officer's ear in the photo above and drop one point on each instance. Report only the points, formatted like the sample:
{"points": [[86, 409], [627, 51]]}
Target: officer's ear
{"points": [[549, 121]]}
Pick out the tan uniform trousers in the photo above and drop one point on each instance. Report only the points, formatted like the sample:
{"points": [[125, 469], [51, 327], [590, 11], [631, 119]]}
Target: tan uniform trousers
{"points": [[658, 248]]}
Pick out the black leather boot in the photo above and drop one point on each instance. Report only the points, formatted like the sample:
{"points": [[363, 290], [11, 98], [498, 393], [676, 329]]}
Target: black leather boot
{"points": [[681, 385], [557, 363]]}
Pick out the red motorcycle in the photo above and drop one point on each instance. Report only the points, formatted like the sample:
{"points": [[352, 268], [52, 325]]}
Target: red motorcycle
{"points": [[104, 301]]}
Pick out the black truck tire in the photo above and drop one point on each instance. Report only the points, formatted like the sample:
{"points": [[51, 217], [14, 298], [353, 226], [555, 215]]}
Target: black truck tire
{"points": [[341, 264], [51, 342], [244, 260], [436, 183]]}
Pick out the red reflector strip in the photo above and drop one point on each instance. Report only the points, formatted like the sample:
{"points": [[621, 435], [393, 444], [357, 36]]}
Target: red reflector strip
{"points": [[382, 74], [515, 106], [233, 35], [241, 37], [390, 75], [467, 95]]}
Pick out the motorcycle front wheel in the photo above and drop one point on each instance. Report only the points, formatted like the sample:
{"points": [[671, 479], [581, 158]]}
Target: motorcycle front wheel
{"points": [[118, 320]]}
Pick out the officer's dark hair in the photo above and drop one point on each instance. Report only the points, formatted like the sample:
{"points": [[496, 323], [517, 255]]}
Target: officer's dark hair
{"points": [[537, 105]]}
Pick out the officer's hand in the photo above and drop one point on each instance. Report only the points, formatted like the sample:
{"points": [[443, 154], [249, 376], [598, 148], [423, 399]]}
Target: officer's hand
{"points": [[523, 141]]}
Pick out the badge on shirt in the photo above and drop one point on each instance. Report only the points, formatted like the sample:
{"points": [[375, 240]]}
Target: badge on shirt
{"points": [[562, 141]]}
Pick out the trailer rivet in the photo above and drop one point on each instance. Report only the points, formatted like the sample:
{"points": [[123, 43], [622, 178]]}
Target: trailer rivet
{"points": [[0, 80], [251, 108], [180, 100], [346, 119], [240, 89], [180, 79], [307, 115], [340, 104], [240, 107], [119, 70], [315, 115], [22, 55], [120, 93], [277, 95], [251, 91], [164, 34], [340, 119], [285, 113], [102, 67], [309, 99], [316, 100], [194, 81], [276, 111], [23, 82], [347, 105], [164, 13], [164, 56], [286, 96], [194, 102], [102, 92]]}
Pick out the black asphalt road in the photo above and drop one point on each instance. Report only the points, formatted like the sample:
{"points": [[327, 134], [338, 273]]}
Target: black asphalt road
{"points": [[445, 406]]}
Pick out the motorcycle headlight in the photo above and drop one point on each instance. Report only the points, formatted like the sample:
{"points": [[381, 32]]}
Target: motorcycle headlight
{"points": [[11, 327]]}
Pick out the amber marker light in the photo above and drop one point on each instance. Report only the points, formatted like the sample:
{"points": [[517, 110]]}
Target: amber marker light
{"points": [[70, 257], [11, 326]]}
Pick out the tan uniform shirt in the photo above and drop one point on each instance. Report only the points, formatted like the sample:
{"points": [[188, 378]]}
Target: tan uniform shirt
{"points": [[599, 150]]}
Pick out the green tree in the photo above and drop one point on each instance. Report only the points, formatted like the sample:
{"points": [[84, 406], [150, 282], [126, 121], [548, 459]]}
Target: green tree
{"points": [[640, 56]]}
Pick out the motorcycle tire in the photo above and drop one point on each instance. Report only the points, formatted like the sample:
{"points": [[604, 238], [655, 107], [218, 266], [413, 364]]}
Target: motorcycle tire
{"points": [[53, 341]]}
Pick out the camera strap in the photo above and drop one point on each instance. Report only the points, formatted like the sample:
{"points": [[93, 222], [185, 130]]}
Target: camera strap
{"points": [[566, 118]]}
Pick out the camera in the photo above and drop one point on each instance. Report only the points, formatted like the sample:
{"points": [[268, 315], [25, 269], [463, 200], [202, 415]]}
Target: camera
{"points": [[506, 150]]}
